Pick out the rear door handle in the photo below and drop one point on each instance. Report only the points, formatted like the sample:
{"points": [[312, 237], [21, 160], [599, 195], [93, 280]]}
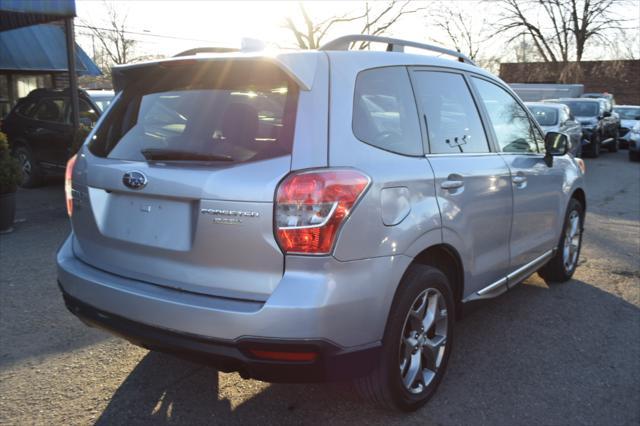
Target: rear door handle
{"points": [[451, 184]]}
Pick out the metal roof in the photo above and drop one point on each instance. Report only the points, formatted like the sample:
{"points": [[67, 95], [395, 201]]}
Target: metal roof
{"points": [[20, 13], [40, 48]]}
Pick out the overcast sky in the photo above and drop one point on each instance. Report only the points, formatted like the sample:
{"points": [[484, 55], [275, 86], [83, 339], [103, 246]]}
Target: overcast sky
{"points": [[168, 27]]}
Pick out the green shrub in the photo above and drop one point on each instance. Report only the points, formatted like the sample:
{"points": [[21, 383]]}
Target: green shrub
{"points": [[10, 173]]}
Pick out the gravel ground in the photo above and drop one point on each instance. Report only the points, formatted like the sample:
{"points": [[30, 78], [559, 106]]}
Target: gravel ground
{"points": [[565, 354]]}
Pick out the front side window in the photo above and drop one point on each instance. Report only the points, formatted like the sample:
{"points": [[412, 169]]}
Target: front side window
{"points": [[50, 109], [27, 107], [512, 127], [384, 111], [87, 112], [228, 111], [451, 117]]}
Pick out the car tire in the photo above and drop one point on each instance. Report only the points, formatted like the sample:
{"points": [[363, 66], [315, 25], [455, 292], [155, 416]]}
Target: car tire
{"points": [[594, 146], [31, 173], [408, 351], [615, 145], [564, 262], [634, 156]]}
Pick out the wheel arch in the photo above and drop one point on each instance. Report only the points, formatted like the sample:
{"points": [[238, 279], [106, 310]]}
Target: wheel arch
{"points": [[447, 259], [580, 195]]}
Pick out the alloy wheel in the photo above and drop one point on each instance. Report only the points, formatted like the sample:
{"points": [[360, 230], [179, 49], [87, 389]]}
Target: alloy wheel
{"points": [[25, 165], [572, 239], [423, 340]]}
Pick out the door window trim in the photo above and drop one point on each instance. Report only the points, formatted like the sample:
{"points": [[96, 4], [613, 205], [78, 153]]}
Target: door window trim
{"points": [[487, 118], [423, 129], [353, 101], [64, 110]]}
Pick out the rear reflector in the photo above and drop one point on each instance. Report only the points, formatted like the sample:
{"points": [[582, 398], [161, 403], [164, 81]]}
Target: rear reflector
{"points": [[284, 356]]}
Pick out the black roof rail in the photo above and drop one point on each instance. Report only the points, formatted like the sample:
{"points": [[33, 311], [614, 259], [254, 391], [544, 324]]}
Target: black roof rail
{"points": [[197, 50], [393, 45]]}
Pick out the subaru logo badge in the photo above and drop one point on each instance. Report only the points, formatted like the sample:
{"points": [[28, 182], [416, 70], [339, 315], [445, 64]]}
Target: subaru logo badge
{"points": [[134, 180]]}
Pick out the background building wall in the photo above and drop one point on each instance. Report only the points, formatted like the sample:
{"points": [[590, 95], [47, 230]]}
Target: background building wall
{"points": [[621, 78]]}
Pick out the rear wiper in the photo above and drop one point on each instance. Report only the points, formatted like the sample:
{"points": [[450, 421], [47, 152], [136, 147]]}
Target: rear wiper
{"points": [[173, 154]]}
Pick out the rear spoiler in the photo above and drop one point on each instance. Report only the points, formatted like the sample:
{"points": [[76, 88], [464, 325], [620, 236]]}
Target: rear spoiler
{"points": [[301, 67]]}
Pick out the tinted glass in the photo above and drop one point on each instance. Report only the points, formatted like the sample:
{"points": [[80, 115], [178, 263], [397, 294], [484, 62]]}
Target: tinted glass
{"points": [[231, 111], [583, 108], [103, 102], [384, 111], [510, 121], [50, 109], [545, 116], [628, 113], [452, 119], [27, 107], [87, 112]]}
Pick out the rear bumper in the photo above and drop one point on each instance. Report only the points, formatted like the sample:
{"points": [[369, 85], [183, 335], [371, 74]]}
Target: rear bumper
{"points": [[339, 307], [332, 363]]}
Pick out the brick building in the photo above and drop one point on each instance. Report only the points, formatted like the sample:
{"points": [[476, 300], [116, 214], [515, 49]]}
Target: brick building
{"points": [[622, 78]]}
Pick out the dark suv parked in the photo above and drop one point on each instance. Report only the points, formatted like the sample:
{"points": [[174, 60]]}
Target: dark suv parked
{"points": [[40, 131], [600, 128]]}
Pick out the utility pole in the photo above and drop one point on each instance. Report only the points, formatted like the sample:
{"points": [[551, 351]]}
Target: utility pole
{"points": [[73, 78]]}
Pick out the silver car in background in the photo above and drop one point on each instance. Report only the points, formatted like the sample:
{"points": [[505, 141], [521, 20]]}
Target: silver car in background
{"points": [[558, 118], [102, 98], [629, 123], [314, 215]]}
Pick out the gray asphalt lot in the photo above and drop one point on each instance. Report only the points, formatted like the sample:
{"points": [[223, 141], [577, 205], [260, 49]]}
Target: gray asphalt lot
{"points": [[540, 355]]}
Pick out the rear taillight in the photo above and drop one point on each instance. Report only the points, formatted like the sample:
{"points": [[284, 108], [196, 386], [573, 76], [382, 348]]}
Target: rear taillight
{"points": [[311, 206], [68, 181]]}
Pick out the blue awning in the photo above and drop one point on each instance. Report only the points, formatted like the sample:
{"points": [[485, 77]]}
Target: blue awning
{"points": [[21, 13], [40, 48]]}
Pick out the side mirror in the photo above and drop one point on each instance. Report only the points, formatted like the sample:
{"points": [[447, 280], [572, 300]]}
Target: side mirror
{"points": [[555, 144], [606, 114]]}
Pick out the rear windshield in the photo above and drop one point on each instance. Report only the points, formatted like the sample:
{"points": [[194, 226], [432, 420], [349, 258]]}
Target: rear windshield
{"points": [[545, 116], [628, 113], [583, 109], [208, 111]]}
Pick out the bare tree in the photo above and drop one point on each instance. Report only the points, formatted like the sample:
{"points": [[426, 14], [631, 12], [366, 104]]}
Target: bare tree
{"points": [[461, 30], [113, 37], [376, 21], [559, 29]]}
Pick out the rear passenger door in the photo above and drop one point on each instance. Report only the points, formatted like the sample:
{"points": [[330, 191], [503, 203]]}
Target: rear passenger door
{"points": [[49, 133], [472, 183], [537, 188]]}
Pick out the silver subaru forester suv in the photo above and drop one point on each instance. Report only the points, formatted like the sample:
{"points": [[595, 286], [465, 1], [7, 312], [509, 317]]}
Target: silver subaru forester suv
{"points": [[314, 215]]}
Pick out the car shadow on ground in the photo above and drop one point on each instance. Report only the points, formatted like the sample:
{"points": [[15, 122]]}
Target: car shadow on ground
{"points": [[491, 375]]}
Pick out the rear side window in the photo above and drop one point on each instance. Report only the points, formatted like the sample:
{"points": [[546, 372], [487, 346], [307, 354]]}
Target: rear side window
{"points": [[212, 111], [451, 116], [384, 111]]}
